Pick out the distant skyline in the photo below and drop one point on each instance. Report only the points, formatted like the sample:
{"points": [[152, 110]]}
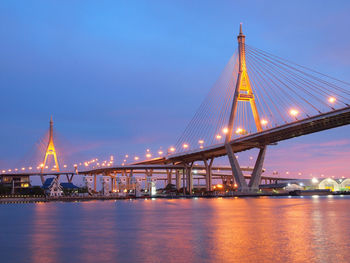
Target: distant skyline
{"points": [[119, 77]]}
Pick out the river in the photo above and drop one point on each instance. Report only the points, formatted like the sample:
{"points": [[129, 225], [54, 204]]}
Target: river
{"points": [[178, 230]]}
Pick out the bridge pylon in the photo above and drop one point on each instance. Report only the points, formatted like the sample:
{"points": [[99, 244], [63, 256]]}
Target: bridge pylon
{"points": [[244, 93], [50, 150]]}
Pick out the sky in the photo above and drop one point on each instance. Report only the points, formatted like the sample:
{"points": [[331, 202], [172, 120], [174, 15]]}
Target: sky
{"points": [[119, 77]]}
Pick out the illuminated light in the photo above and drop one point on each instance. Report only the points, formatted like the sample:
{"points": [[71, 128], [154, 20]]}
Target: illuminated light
{"points": [[75, 165], [201, 147], [250, 158], [332, 99], [125, 190], [65, 166], [314, 180], [124, 160], [147, 150], [185, 145], [9, 170], [293, 112], [23, 168], [148, 155], [200, 141], [16, 169], [287, 172], [46, 166], [112, 157], [264, 122], [172, 149], [235, 185], [219, 186], [126, 156], [299, 173], [41, 165], [136, 158], [239, 131], [3, 171], [79, 163], [30, 168], [218, 137], [160, 152], [225, 130]]}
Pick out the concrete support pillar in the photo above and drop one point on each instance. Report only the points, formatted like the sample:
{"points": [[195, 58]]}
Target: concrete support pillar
{"points": [[208, 174], [189, 178], [236, 170], [169, 175], [258, 167], [112, 183], [178, 179], [183, 181], [69, 179], [95, 179]]}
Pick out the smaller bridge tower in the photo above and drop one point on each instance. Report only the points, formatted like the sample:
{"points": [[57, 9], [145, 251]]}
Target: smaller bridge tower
{"points": [[50, 150]]}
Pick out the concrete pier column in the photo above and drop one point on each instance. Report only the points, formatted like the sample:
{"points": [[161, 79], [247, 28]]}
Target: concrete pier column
{"points": [[95, 179], [189, 177], [236, 170], [258, 167], [208, 174], [178, 179], [169, 175]]}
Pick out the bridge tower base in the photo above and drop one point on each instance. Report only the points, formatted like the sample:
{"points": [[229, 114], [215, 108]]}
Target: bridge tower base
{"points": [[237, 173]]}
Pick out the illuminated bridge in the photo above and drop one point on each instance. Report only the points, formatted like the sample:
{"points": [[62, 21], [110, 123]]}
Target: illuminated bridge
{"points": [[259, 99]]}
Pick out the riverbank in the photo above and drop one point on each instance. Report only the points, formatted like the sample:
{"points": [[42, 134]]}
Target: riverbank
{"points": [[32, 199]]}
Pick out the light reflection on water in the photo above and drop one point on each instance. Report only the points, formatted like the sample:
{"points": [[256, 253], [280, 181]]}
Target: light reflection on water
{"points": [[182, 230]]}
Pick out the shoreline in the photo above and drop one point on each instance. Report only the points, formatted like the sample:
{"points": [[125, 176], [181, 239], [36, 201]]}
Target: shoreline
{"points": [[29, 199]]}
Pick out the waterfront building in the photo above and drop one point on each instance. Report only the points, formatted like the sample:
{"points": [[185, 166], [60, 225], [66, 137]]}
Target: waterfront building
{"points": [[89, 183], [52, 187], [16, 183], [106, 185]]}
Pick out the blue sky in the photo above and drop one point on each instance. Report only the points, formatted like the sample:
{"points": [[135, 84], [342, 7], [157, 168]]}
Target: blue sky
{"points": [[122, 76]]}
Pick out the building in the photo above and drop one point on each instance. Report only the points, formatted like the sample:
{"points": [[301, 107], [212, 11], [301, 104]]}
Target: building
{"points": [[69, 188], [17, 183], [52, 187]]}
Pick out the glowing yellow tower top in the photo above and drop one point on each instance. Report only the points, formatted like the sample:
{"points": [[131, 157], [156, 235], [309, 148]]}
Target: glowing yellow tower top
{"points": [[243, 91], [50, 150]]}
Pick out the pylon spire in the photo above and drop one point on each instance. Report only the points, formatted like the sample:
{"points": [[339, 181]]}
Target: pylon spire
{"points": [[240, 29], [243, 91], [50, 150]]}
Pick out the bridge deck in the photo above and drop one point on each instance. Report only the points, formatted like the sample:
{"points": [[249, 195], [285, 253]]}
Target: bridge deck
{"points": [[287, 131]]}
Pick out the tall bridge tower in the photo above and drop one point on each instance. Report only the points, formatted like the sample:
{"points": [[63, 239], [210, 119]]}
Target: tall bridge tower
{"points": [[50, 150], [244, 93]]}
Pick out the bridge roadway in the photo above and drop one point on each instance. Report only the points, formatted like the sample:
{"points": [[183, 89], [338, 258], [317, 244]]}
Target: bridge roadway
{"points": [[217, 171], [287, 131]]}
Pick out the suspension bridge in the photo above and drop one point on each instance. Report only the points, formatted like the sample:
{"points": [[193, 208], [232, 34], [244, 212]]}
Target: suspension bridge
{"points": [[259, 100]]}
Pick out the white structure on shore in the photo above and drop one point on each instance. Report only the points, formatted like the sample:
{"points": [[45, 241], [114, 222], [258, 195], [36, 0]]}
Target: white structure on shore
{"points": [[106, 185], [89, 181]]}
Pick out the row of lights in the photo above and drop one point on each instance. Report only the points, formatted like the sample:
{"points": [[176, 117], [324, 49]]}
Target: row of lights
{"points": [[293, 112]]}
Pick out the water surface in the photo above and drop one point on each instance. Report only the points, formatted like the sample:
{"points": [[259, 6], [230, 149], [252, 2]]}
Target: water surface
{"points": [[178, 230]]}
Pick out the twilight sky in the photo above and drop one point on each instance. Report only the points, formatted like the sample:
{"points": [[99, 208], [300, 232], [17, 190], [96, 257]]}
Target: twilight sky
{"points": [[123, 76]]}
